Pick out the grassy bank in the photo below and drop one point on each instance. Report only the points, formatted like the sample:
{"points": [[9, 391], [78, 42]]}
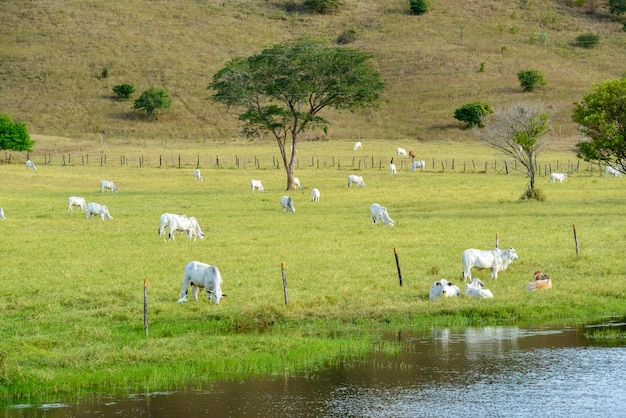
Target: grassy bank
{"points": [[71, 290]]}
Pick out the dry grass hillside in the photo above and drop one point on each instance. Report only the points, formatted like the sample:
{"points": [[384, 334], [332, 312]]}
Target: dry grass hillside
{"points": [[54, 52]]}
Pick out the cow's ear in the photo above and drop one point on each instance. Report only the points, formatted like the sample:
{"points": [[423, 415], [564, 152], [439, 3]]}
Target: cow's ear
{"points": [[224, 295]]}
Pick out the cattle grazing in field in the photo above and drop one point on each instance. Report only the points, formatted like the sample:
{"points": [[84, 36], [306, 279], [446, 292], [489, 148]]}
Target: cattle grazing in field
{"points": [[402, 152], [610, 170], [197, 175], [421, 164], [76, 201], [392, 167], [443, 288], [180, 223], [352, 179], [107, 185], [315, 195], [287, 204], [2, 213], [202, 276], [98, 210], [357, 145], [475, 289], [557, 176], [496, 260], [412, 154], [255, 185], [379, 213], [296, 183], [540, 281], [31, 165]]}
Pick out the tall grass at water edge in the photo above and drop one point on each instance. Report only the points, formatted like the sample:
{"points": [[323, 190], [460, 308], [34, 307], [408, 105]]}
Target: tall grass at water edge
{"points": [[71, 290]]}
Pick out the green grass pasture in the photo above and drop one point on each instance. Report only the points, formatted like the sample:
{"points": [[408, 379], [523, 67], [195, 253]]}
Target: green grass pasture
{"points": [[71, 290]]}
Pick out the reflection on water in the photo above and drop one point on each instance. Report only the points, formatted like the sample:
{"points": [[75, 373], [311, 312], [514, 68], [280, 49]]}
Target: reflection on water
{"points": [[482, 372]]}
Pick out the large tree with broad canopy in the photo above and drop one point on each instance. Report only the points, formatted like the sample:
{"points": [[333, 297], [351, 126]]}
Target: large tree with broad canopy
{"points": [[284, 88]]}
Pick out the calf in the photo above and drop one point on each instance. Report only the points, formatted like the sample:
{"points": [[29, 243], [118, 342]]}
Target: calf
{"points": [[287, 204], [99, 210], [256, 185], [540, 281], [76, 201], [474, 289], [352, 179], [107, 185], [379, 213], [315, 195], [202, 276]]}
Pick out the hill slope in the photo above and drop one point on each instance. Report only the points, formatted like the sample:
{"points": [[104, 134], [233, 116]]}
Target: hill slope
{"points": [[55, 52]]}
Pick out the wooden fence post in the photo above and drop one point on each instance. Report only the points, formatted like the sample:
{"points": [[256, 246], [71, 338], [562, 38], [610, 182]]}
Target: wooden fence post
{"points": [[576, 240], [282, 267], [395, 252], [145, 306]]}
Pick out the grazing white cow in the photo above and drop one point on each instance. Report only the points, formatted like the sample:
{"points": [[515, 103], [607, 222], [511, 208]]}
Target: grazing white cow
{"points": [[352, 179], [402, 152], [315, 195], [180, 223], [107, 185], [98, 210], [357, 145], [30, 165], [443, 288], [296, 182], [256, 185], [76, 201], [610, 170], [287, 204], [197, 175], [202, 276], [540, 281], [475, 289], [418, 164], [495, 259], [557, 176], [2, 213], [392, 168], [379, 213]]}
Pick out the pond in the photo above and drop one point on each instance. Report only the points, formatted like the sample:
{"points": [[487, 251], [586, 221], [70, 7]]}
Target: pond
{"points": [[482, 372]]}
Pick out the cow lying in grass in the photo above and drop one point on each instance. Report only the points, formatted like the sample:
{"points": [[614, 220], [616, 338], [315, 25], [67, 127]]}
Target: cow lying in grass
{"points": [[540, 281], [475, 289], [202, 276], [443, 288]]}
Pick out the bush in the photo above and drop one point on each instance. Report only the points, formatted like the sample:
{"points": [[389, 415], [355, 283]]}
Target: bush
{"points": [[529, 79], [323, 7], [587, 40], [418, 7], [473, 114], [123, 91], [347, 37]]}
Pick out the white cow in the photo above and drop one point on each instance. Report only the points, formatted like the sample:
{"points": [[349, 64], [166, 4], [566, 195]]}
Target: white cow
{"points": [[164, 221], [475, 289], [418, 164], [402, 151], [379, 213], [296, 182], [98, 210], [495, 259], [256, 185], [352, 179], [197, 175], [443, 288], [357, 145], [392, 169], [202, 276], [611, 170], [315, 195], [2, 213], [30, 165], [76, 201], [107, 185], [557, 176], [176, 223], [287, 204]]}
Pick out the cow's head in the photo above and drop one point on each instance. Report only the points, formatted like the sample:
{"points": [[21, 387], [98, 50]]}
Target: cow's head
{"points": [[512, 254]]}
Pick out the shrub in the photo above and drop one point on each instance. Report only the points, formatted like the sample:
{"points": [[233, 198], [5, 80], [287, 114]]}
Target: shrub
{"points": [[348, 36], [323, 6], [587, 40], [123, 91], [529, 79], [473, 114], [418, 7]]}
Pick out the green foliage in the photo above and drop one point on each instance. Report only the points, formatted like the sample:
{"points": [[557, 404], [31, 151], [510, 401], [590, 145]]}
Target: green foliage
{"points": [[347, 37], [14, 135], [530, 79], [123, 91], [473, 114], [104, 73], [419, 7], [617, 7], [587, 40], [323, 6], [152, 99], [602, 117]]}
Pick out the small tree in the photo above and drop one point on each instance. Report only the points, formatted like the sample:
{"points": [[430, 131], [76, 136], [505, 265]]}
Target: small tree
{"points": [[530, 79], [14, 135], [587, 40], [519, 132], [152, 99], [473, 114], [418, 7], [123, 91], [617, 7], [323, 6]]}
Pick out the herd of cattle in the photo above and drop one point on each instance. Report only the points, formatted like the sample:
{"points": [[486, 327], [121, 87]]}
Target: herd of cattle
{"points": [[199, 275]]}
